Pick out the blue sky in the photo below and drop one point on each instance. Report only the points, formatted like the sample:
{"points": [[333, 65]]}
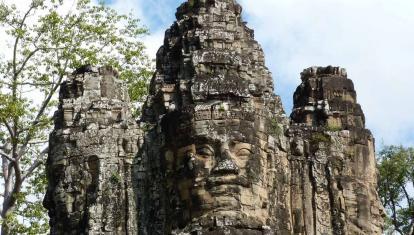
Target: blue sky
{"points": [[372, 39]]}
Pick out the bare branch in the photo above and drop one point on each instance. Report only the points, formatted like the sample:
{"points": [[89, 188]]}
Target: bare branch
{"points": [[18, 176], [10, 200]]}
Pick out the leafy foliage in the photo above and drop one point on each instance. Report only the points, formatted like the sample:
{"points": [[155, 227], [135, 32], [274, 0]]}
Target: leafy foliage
{"points": [[318, 138], [396, 168], [333, 128], [48, 39], [275, 128]]}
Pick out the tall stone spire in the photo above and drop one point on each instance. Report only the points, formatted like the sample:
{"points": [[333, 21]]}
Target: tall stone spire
{"points": [[215, 158], [90, 159], [209, 52], [332, 158]]}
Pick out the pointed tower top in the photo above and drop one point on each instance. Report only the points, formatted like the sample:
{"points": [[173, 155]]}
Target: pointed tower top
{"points": [[192, 7], [209, 54]]}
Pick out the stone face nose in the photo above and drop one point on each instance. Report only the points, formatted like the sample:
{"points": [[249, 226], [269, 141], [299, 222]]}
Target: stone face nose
{"points": [[226, 165]]}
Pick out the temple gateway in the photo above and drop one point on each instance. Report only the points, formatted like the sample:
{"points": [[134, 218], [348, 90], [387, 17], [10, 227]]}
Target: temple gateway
{"points": [[214, 152]]}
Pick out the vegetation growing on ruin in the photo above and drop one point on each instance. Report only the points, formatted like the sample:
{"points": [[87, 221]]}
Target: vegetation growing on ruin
{"points": [[274, 127], [318, 138], [48, 39]]}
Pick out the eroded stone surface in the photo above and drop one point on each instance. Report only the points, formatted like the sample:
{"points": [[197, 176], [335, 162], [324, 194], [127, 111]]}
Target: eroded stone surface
{"points": [[91, 156], [219, 165], [327, 97], [332, 158]]}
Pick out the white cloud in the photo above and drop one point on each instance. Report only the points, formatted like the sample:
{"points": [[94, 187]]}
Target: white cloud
{"points": [[153, 14], [373, 39]]}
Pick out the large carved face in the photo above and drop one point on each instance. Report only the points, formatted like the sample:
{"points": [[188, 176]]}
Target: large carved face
{"points": [[220, 168]]}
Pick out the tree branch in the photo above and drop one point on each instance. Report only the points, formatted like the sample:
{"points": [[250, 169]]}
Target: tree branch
{"points": [[394, 217], [8, 128], [411, 231], [40, 113], [33, 167], [25, 61], [5, 169], [38, 142], [5, 155], [10, 200], [8, 170], [28, 84], [16, 42], [407, 196]]}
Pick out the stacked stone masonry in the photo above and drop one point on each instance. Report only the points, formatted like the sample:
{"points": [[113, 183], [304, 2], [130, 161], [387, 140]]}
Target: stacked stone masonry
{"points": [[214, 152], [91, 154]]}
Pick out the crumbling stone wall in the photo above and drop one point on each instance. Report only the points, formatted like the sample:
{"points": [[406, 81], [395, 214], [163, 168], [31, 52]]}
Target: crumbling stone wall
{"points": [[91, 155]]}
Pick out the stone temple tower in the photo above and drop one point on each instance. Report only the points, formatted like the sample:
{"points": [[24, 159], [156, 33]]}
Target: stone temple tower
{"points": [[332, 158], [214, 152], [215, 160], [91, 155]]}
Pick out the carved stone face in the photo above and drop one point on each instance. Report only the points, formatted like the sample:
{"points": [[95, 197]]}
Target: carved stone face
{"points": [[222, 171]]}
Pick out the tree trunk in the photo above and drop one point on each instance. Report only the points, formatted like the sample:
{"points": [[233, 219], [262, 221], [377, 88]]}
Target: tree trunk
{"points": [[5, 227], [411, 232], [9, 203]]}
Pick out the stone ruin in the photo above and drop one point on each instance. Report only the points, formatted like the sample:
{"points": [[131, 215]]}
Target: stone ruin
{"points": [[91, 156], [214, 152]]}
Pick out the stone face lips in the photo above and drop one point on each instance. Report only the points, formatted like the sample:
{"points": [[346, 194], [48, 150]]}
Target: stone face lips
{"points": [[90, 157]]}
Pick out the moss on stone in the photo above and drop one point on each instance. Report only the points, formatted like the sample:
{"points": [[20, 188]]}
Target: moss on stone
{"points": [[115, 178]]}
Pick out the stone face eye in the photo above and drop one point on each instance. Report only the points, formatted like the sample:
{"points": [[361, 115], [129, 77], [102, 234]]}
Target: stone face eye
{"points": [[205, 151]]}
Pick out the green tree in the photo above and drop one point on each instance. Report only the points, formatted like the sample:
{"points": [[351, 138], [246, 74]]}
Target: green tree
{"points": [[396, 167], [48, 39]]}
